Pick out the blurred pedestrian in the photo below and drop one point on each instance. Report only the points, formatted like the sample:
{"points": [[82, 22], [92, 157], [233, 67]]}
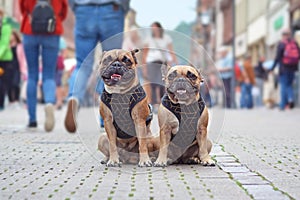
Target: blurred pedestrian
{"points": [[44, 43], [132, 40], [225, 68], [248, 80], [155, 55], [96, 21], [6, 56], [261, 76], [60, 66], [17, 49], [20, 60], [288, 55]]}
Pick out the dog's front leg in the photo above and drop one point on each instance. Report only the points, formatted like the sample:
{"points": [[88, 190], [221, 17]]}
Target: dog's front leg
{"points": [[112, 139], [201, 137], [143, 138], [165, 137]]}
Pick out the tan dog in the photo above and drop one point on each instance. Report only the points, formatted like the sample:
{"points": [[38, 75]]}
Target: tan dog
{"points": [[183, 119], [125, 111]]}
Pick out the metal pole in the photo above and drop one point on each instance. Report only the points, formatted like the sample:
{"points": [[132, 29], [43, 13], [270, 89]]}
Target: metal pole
{"points": [[233, 104]]}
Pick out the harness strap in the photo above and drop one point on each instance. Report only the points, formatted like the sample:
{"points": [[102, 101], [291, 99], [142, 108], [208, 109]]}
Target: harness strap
{"points": [[136, 95]]}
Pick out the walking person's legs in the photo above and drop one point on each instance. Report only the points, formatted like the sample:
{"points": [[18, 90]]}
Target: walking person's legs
{"points": [[2, 84], [2, 92], [32, 49], [107, 21], [249, 96], [243, 95], [227, 87], [283, 91], [260, 85], [16, 87], [153, 93], [290, 90], [8, 78], [86, 39], [50, 48]]}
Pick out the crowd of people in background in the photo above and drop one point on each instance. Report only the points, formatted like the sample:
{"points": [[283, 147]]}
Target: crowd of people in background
{"points": [[256, 85], [32, 65]]}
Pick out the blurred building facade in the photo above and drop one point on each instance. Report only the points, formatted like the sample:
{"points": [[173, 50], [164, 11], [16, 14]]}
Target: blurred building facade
{"points": [[254, 27], [258, 25]]}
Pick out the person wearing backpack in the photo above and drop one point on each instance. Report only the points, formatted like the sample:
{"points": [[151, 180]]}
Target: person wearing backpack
{"points": [[288, 55], [41, 27]]}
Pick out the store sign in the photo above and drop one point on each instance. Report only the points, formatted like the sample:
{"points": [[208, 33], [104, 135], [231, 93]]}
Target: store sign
{"points": [[278, 23]]}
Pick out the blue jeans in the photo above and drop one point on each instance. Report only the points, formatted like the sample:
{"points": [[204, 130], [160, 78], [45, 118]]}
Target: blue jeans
{"points": [[286, 80], [47, 47], [93, 24], [246, 95], [259, 98]]}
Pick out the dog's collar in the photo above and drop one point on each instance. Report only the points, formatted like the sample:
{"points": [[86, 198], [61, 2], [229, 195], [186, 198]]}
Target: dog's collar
{"points": [[175, 108]]}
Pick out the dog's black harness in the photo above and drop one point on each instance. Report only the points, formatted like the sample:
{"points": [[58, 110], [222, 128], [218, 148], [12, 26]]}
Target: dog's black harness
{"points": [[121, 106], [188, 116]]}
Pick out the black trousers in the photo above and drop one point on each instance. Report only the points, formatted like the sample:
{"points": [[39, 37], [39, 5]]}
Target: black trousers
{"points": [[227, 94], [154, 98], [6, 82]]}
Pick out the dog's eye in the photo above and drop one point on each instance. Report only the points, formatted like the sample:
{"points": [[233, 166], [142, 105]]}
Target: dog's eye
{"points": [[126, 60], [172, 76], [191, 76], [107, 60]]}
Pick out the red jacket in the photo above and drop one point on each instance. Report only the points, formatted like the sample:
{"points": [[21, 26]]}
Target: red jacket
{"points": [[60, 8]]}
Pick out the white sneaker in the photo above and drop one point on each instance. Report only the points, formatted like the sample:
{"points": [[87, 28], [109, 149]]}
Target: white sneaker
{"points": [[71, 115], [49, 117]]}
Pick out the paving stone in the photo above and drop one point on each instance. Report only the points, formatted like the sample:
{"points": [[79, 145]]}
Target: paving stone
{"points": [[238, 169], [226, 159], [264, 192], [251, 180], [231, 164]]}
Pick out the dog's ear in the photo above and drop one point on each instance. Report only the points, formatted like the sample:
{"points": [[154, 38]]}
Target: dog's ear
{"points": [[133, 52], [101, 57], [201, 77], [164, 71], [199, 72], [100, 63]]}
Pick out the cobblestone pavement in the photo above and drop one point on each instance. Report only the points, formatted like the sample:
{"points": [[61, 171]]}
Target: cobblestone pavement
{"points": [[257, 158]]}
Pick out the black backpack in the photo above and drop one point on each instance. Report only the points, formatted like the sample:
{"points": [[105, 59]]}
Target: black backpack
{"points": [[43, 18]]}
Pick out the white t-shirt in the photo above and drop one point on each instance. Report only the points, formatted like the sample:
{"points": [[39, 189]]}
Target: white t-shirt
{"points": [[158, 48]]}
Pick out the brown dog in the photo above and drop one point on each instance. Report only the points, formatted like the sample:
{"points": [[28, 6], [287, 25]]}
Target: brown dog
{"points": [[183, 119], [125, 111]]}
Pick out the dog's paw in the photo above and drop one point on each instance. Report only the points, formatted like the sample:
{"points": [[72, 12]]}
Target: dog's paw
{"points": [[160, 163], [145, 162], [193, 161], [112, 163], [207, 161], [104, 161]]}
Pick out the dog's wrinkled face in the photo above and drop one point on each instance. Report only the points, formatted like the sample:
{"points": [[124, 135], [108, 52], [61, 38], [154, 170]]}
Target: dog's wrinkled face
{"points": [[182, 83], [117, 67]]}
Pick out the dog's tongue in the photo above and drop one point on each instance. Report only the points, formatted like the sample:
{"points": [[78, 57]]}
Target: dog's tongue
{"points": [[115, 77], [181, 91]]}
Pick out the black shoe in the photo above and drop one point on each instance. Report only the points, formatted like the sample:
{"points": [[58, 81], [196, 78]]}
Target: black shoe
{"points": [[32, 125]]}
